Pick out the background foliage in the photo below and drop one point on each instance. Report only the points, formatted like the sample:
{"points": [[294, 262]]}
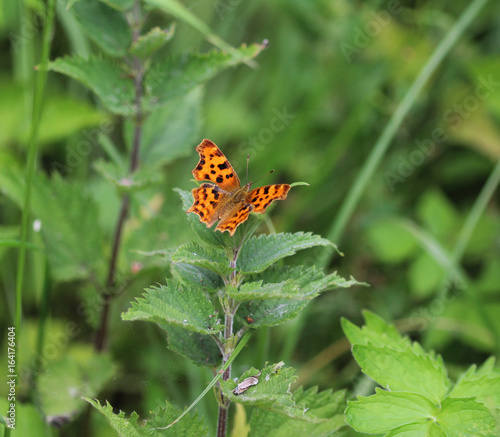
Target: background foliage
{"points": [[311, 106]]}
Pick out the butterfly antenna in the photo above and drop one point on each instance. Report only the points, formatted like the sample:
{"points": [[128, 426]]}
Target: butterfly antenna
{"points": [[248, 160], [262, 177]]}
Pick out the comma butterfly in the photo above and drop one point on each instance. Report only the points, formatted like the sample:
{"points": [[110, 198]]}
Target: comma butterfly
{"points": [[227, 201]]}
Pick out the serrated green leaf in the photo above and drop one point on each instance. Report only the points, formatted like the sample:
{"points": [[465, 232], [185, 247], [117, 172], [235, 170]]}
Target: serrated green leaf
{"points": [[195, 276], [466, 418], [256, 290], [103, 77], [209, 236], [63, 383], [385, 411], [170, 132], [176, 75], [396, 370], [175, 305], [260, 252], [201, 349], [146, 45], [161, 417], [271, 393], [123, 180], [376, 331], [208, 258], [106, 26], [271, 312], [483, 384], [324, 405], [70, 228]]}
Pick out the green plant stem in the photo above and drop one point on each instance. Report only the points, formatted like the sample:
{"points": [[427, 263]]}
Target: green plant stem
{"points": [[370, 166], [107, 295], [456, 256], [38, 94]]}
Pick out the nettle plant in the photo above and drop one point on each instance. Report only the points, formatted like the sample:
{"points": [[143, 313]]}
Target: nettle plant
{"points": [[223, 288]]}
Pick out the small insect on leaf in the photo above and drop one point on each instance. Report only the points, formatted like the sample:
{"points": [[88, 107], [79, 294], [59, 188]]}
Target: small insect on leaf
{"points": [[245, 385]]}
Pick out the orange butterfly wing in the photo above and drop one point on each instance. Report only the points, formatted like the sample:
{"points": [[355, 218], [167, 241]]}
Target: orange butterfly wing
{"points": [[208, 200], [262, 197], [214, 167], [235, 218]]}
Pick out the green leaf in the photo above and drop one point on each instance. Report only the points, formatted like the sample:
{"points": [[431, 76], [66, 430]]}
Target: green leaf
{"points": [[106, 26], [256, 290], [483, 384], [123, 180], [376, 331], [70, 228], [176, 305], [384, 411], [324, 405], [271, 393], [176, 75], [105, 78], [271, 312], [438, 214], [63, 383], [209, 236], [466, 418], [170, 132], [146, 45], [425, 276], [209, 258], [396, 370], [161, 418], [389, 242], [201, 349], [179, 11], [260, 252], [197, 277]]}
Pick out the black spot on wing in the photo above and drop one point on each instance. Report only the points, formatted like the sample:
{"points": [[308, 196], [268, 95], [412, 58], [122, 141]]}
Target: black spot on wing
{"points": [[222, 166], [219, 179]]}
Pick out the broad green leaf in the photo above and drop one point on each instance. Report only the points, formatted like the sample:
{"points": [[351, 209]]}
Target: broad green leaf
{"points": [[208, 258], [70, 228], [466, 418], [176, 75], [201, 349], [123, 180], [483, 384], [62, 384], [171, 304], [324, 405], [271, 393], [425, 276], [161, 418], [77, 114], [260, 252], [105, 78], [389, 242], [376, 331], [396, 370], [197, 277], [271, 312], [209, 236], [170, 132], [385, 410], [146, 45], [419, 429], [256, 290], [106, 26], [438, 214]]}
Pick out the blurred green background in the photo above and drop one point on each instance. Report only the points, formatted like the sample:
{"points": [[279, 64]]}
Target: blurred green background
{"points": [[312, 109]]}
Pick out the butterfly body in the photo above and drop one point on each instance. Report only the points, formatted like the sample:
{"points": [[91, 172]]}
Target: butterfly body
{"points": [[225, 200]]}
